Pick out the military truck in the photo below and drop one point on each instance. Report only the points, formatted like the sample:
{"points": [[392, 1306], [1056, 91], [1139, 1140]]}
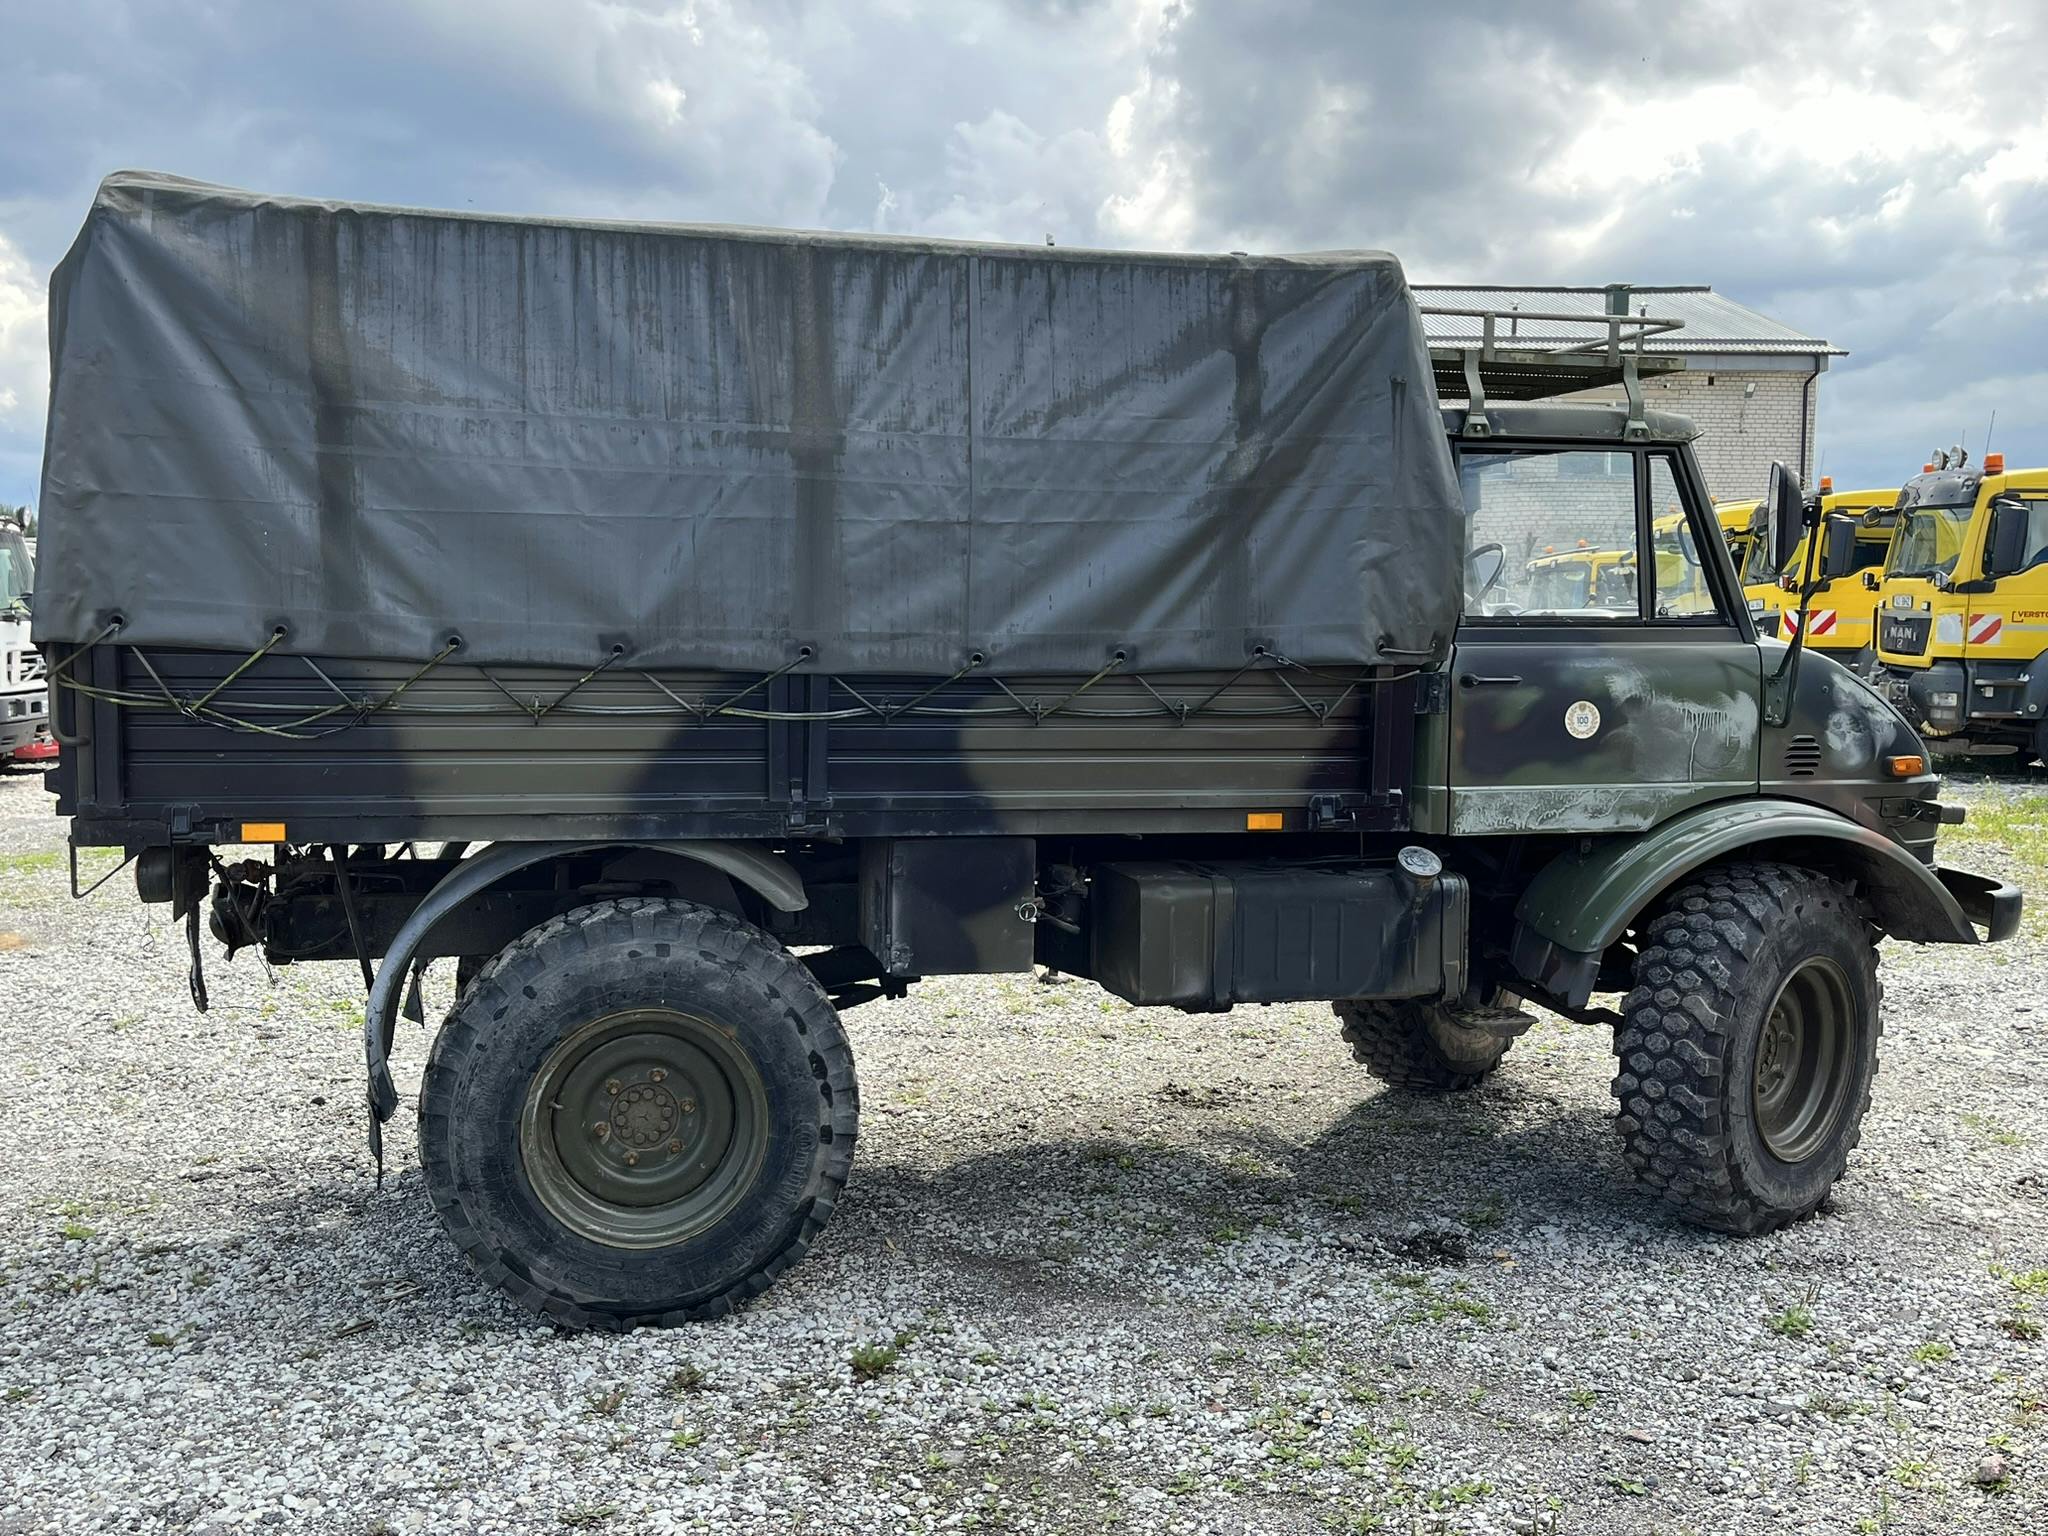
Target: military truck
{"points": [[1962, 607], [695, 633]]}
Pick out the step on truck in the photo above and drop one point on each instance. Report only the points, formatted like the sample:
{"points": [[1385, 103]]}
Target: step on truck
{"points": [[1962, 608], [692, 633]]}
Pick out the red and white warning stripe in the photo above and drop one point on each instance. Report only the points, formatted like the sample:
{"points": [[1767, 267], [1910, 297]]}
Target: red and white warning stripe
{"points": [[1822, 625], [1984, 628]]}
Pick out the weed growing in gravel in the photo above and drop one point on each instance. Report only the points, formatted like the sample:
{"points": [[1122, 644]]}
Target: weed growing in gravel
{"points": [[872, 1360], [1994, 1131], [2020, 1324], [585, 1517], [76, 1231], [160, 1340], [602, 1405], [1917, 1475], [2029, 1282], [1934, 1351], [1635, 1488], [683, 1439], [1795, 1322]]}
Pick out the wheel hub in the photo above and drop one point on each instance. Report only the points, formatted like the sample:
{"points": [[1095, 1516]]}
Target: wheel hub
{"points": [[641, 1129], [1805, 1061]]}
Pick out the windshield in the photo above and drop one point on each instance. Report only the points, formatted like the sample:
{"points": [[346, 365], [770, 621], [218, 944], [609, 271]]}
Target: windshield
{"points": [[17, 570], [1930, 540]]}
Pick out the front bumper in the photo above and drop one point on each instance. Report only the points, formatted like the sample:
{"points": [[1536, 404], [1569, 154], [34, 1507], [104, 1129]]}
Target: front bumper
{"points": [[1990, 904], [23, 718]]}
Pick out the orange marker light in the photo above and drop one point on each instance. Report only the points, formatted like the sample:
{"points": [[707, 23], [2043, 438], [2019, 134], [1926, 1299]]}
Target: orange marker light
{"points": [[1926, 469], [1827, 484], [1262, 821], [1905, 767], [262, 831], [1994, 463]]}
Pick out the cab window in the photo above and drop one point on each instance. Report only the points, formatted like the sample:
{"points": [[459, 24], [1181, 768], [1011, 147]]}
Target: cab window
{"points": [[1681, 590], [1552, 534]]}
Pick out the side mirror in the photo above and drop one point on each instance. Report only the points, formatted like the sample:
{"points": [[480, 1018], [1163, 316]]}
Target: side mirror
{"points": [[1871, 582], [1838, 549], [2005, 551], [1785, 515]]}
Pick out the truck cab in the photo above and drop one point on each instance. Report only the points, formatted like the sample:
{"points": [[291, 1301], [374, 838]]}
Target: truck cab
{"points": [[1962, 608], [1841, 614]]}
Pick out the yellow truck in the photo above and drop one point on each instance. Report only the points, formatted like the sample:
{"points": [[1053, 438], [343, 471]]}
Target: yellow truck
{"points": [[1962, 635], [1604, 580], [1841, 615], [1738, 527]]}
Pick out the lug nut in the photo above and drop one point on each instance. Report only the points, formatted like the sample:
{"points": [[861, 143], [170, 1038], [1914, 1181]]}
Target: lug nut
{"points": [[632, 1157], [674, 1147], [688, 1106], [602, 1129], [657, 1074], [612, 1087]]}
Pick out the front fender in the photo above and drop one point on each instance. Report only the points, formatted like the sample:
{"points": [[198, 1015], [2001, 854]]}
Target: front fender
{"points": [[770, 877], [1583, 902]]}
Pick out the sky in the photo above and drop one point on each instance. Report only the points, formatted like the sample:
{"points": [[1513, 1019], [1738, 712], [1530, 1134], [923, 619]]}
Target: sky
{"points": [[1875, 172]]}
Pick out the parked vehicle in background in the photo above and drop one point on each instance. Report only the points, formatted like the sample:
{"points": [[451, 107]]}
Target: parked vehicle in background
{"points": [[1738, 528], [900, 616], [1841, 617], [24, 690], [1962, 607]]}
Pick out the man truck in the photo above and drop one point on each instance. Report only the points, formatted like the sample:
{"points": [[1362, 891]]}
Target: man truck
{"points": [[1962, 608]]}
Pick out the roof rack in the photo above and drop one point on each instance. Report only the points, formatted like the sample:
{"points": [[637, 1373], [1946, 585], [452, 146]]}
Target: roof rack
{"points": [[1485, 356]]}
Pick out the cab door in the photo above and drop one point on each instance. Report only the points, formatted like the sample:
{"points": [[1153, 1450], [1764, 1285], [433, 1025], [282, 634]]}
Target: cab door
{"points": [[1616, 713]]}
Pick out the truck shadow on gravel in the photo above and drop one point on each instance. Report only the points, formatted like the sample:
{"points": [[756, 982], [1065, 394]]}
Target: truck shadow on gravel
{"points": [[1390, 1187]]}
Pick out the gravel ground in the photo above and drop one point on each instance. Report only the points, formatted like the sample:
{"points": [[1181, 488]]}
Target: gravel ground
{"points": [[1112, 1268]]}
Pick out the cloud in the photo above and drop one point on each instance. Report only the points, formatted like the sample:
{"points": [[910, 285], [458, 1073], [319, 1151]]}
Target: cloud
{"points": [[1873, 172], [24, 372]]}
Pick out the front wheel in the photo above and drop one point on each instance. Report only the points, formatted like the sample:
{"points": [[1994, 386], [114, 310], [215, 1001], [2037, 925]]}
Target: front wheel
{"points": [[1748, 1045], [642, 1111]]}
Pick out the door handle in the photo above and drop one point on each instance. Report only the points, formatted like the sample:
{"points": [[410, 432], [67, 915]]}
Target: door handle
{"points": [[1475, 680]]}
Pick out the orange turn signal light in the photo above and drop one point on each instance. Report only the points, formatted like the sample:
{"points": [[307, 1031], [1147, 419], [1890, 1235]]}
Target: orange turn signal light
{"points": [[1262, 821], [1906, 767], [262, 831]]}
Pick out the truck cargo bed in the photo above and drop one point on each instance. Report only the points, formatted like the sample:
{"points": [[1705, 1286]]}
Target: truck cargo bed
{"points": [[471, 753]]}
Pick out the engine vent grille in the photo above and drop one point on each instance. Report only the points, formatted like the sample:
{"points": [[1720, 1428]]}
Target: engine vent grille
{"points": [[1802, 757]]}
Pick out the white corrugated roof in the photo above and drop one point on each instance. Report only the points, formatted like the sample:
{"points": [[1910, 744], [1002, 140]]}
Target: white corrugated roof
{"points": [[1713, 322]]}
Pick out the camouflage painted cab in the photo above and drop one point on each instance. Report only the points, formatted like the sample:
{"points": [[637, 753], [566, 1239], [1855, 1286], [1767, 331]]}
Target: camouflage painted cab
{"points": [[1239, 736]]}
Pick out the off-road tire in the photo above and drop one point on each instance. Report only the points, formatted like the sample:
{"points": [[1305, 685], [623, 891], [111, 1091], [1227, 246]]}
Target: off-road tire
{"points": [[1712, 964], [1418, 1046], [588, 964]]}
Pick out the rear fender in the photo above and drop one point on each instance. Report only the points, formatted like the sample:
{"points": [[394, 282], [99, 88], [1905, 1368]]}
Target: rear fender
{"points": [[770, 877], [1583, 902]]}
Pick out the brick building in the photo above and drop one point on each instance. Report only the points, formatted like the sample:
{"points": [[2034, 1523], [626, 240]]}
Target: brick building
{"points": [[1751, 384]]}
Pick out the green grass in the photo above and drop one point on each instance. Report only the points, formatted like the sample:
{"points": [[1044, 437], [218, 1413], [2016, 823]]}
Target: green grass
{"points": [[2017, 823], [1934, 1351]]}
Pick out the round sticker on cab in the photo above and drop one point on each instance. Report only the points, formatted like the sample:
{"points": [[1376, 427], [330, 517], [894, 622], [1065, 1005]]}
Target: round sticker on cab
{"points": [[1582, 719]]}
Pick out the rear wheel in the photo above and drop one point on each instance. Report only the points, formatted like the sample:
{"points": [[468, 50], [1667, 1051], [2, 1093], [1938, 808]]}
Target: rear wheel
{"points": [[642, 1111], [1749, 1045], [1420, 1046]]}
